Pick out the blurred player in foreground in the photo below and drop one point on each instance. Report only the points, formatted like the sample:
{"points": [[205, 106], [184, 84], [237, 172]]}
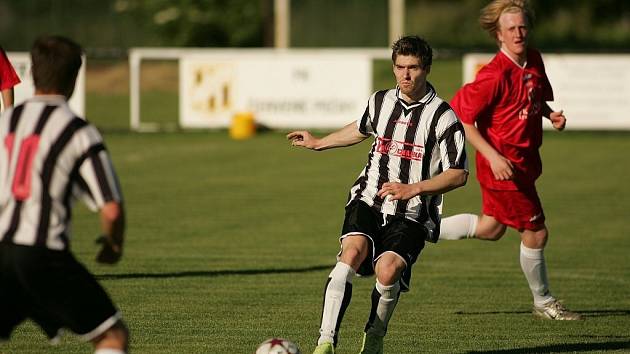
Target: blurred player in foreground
{"points": [[8, 79], [49, 156], [393, 208], [502, 113]]}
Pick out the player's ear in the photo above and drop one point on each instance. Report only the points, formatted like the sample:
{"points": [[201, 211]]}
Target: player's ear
{"points": [[427, 69]]}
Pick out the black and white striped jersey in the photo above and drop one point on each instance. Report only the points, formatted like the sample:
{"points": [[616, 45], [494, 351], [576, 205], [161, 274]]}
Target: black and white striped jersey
{"points": [[412, 142], [48, 158]]}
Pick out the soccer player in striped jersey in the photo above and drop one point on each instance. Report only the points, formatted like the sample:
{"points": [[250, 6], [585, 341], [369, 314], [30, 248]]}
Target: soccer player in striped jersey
{"points": [[49, 156], [502, 113], [417, 154]]}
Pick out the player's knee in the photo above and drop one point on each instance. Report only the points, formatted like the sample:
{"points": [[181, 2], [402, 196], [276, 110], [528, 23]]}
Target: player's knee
{"points": [[354, 250], [388, 269], [540, 238], [352, 256]]}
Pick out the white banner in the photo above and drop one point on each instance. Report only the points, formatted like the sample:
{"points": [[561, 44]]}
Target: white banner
{"points": [[282, 89], [592, 89], [22, 64]]}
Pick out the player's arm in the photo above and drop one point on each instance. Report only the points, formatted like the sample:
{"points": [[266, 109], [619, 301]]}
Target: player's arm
{"points": [[447, 180], [7, 98], [558, 120], [112, 216], [97, 185], [502, 168], [346, 136]]}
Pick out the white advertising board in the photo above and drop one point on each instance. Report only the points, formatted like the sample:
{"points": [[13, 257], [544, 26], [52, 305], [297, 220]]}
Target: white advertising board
{"points": [[593, 90], [22, 64], [296, 89]]}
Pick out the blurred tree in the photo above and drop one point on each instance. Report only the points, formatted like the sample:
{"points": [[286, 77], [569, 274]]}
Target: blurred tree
{"points": [[561, 25], [335, 23], [205, 23], [108, 27]]}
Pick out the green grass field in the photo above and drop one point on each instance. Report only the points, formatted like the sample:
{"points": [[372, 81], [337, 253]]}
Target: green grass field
{"points": [[230, 242]]}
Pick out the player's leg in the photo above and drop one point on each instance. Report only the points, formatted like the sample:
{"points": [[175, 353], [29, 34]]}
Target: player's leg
{"points": [[458, 227], [356, 256], [528, 217], [114, 340], [389, 268], [12, 311], [63, 294], [338, 289], [400, 245], [385, 294], [532, 261], [462, 226], [535, 269]]}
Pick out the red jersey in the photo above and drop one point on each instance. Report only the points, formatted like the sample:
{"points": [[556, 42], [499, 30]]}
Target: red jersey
{"points": [[8, 77], [505, 101]]}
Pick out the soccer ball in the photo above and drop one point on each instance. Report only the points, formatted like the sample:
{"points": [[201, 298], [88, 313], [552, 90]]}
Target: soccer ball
{"points": [[277, 346]]}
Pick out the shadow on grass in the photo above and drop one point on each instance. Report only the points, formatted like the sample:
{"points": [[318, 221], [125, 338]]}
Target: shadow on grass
{"points": [[584, 313], [211, 273], [561, 348]]}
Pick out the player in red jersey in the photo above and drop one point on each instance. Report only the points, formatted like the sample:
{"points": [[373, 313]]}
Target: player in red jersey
{"points": [[502, 113], [8, 79]]}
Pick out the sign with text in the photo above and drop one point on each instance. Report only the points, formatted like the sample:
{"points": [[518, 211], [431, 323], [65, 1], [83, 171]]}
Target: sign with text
{"points": [[283, 90], [593, 90]]}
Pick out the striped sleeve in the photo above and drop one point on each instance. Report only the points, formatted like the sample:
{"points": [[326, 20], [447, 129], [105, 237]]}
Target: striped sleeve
{"points": [[97, 171], [452, 142], [365, 123], [368, 122]]}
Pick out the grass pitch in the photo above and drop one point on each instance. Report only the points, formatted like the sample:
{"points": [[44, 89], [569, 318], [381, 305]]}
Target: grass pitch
{"points": [[230, 243]]}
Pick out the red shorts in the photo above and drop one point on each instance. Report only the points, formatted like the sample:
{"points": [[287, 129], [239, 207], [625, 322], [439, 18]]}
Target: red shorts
{"points": [[520, 209]]}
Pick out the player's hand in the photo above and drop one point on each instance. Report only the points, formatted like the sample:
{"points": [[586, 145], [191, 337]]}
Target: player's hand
{"points": [[398, 191], [502, 168], [558, 120], [303, 138], [109, 253]]}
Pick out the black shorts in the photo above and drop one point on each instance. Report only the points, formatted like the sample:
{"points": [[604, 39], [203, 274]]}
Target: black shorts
{"points": [[53, 289], [399, 235]]}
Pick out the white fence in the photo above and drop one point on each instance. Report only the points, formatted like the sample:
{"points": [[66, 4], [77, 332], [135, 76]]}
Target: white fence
{"points": [[326, 88], [322, 88]]}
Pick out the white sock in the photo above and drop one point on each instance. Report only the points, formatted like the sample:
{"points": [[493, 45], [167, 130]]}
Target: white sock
{"points": [[533, 265], [108, 351], [336, 299], [458, 227], [384, 300]]}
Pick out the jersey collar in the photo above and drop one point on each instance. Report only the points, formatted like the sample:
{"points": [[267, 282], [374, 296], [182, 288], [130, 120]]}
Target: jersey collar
{"points": [[514, 61], [424, 100], [49, 98]]}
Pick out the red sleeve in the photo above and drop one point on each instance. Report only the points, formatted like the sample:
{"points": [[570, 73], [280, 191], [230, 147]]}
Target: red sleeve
{"points": [[8, 76], [474, 98]]}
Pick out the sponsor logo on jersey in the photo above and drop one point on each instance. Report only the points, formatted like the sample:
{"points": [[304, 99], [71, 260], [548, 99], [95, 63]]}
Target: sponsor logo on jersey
{"points": [[400, 149], [404, 122]]}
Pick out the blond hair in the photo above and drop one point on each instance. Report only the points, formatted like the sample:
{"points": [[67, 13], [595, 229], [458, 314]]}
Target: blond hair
{"points": [[489, 17]]}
